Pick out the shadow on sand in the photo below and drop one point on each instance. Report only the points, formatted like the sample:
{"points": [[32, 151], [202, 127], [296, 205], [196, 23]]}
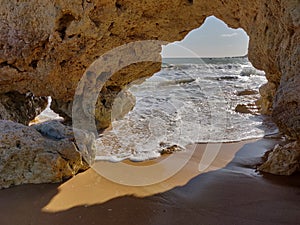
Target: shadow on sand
{"points": [[233, 195]]}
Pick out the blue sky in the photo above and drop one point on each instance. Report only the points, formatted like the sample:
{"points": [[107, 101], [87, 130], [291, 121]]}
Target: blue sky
{"points": [[213, 39]]}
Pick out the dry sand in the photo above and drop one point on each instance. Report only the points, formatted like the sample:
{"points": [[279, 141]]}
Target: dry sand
{"points": [[229, 191]]}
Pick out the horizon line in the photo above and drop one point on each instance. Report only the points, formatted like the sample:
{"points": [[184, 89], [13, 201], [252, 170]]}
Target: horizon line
{"points": [[205, 57]]}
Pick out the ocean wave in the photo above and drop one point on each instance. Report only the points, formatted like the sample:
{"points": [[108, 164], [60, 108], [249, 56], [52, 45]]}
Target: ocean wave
{"points": [[186, 103], [248, 71], [177, 82]]}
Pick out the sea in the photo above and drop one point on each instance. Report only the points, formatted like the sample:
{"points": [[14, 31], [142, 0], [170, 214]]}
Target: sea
{"points": [[190, 100]]}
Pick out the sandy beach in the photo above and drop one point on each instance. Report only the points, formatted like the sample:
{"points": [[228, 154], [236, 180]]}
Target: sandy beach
{"points": [[229, 191], [129, 84]]}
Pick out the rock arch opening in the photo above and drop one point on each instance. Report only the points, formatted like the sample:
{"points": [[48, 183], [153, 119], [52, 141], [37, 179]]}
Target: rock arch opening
{"points": [[212, 39], [192, 99], [205, 92]]}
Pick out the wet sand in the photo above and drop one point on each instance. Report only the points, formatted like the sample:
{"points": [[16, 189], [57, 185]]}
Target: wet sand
{"points": [[229, 191]]}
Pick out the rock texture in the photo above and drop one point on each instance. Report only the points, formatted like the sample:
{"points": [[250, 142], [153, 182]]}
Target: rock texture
{"points": [[283, 159], [267, 92], [41, 154], [21, 108], [121, 102], [46, 45]]}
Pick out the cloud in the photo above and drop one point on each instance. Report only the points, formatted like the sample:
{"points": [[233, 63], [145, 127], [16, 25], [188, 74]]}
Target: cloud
{"points": [[229, 35]]}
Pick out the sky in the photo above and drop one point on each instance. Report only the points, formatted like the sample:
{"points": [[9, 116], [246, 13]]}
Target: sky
{"points": [[213, 39]]}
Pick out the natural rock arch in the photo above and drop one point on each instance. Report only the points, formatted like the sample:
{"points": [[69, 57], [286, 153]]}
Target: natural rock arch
{"points": [[46, 45]]}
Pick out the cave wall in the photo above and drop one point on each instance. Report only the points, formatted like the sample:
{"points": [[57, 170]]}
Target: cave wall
{"points": [[46, 45]]}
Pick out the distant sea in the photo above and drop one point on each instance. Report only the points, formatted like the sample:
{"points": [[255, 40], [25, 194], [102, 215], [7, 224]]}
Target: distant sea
{"points": [[190, 100]]}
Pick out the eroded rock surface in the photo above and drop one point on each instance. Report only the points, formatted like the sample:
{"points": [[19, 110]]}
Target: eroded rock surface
{"points": [[47, 45], [30, 156], [110, 105], [21, 108], [283, 159]]}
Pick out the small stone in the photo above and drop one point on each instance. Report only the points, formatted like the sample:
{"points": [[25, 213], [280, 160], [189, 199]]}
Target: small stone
{"points": [[247, 92], [169, 148], [240, 108]]}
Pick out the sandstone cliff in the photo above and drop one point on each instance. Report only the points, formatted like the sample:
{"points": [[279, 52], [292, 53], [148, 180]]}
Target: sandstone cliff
{"points": [[46, 45]]}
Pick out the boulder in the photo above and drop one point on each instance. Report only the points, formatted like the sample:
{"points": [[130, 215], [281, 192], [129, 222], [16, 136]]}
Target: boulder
{"points": [[30, 156], [284, 159]]}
